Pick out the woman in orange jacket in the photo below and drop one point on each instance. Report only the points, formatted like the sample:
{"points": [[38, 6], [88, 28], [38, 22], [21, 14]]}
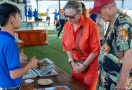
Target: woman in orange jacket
{"points": [[81, 42]]}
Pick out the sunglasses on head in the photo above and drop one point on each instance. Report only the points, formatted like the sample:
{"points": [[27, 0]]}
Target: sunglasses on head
{"points": [[72, 17]]}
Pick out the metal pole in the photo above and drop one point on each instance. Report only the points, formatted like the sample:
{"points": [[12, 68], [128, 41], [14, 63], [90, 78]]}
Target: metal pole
{"points": [[26, 9], [37, 4], [59, 4], [122, 6]]}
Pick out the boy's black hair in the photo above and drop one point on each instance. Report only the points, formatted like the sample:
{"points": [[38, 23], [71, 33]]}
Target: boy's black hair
{"points": [[6, 11]]}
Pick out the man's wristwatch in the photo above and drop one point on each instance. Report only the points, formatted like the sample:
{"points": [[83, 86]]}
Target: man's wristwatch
{"points": [[70, 60]]}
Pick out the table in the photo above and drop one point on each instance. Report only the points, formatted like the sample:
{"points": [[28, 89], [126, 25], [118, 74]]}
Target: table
{"points": [[31, 23], [35, 37], [20, 45], [62, 79]]}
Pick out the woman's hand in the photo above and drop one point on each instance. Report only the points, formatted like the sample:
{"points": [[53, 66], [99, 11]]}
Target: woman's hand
{"points": [[73, 64], [79, 68]]}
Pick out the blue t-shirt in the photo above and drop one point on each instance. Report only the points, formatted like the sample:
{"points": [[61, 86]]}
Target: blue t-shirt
{"points": [[9, 60], [30, 13], [36, 14], [55, 15]]}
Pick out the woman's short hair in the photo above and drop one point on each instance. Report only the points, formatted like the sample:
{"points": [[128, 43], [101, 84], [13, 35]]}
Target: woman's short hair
{"points": [[78, 6], [73, 4]]}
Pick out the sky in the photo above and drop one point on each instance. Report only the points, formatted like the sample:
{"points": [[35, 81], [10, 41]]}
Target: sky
{"points": [[54, 4]]}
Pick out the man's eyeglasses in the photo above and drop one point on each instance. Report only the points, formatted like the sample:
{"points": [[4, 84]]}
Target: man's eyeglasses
{"points": [[71, 17]]}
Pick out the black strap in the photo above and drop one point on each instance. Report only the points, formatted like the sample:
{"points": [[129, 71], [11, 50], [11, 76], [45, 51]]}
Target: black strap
{"points": [[78, 40]]}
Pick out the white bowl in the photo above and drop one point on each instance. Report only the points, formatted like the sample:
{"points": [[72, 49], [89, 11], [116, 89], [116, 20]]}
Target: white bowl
{"points": [[29, 80]]}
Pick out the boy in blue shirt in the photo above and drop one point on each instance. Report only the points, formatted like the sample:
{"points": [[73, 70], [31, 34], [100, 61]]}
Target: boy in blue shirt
{"points": [[11, 70]]}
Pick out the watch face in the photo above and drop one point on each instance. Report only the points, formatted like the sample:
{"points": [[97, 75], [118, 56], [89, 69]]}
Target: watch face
{"points": [[70, 59]]}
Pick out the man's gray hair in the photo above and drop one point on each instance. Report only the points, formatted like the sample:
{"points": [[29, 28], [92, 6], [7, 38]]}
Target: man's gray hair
{"points": [[73, 4], [112, 3]]}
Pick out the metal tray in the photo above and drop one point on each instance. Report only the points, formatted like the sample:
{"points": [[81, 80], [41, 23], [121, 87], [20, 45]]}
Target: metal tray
{"points": [[41, 71], [30, 74], [51, 73]]}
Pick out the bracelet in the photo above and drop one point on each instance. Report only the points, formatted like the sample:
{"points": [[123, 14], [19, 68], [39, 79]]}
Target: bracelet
{"points": [[70, 60], [84, 65]]}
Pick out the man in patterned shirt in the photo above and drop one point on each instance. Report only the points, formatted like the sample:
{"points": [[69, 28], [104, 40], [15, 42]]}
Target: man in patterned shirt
{"points": [[115, 59]]}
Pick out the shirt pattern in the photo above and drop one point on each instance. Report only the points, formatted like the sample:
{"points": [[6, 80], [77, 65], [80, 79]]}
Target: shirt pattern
{"points": [[117, 39]]}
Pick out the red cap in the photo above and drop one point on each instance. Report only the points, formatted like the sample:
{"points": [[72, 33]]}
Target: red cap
{"points": [[98, 5]]}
